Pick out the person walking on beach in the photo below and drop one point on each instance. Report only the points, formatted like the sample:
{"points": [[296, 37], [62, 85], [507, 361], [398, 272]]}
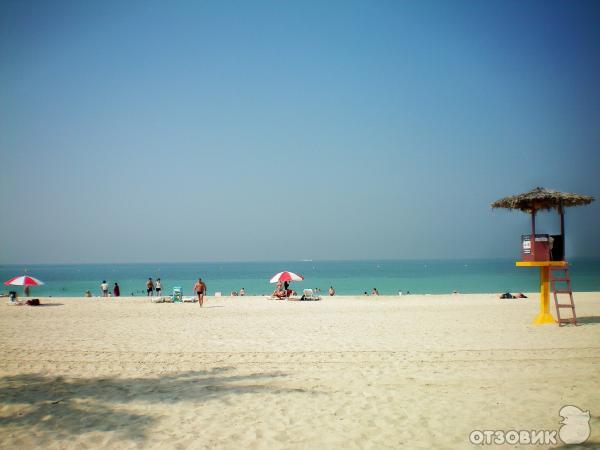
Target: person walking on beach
{"points": [[104, 288], [158, 287], [149, 287], [116, 290], [200, 290]]}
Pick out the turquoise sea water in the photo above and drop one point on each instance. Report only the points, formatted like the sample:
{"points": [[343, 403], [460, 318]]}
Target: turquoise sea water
{"points": [[348, 277]]}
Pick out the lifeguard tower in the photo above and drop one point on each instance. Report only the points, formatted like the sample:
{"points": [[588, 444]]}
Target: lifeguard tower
{"points": [[547, 251]]}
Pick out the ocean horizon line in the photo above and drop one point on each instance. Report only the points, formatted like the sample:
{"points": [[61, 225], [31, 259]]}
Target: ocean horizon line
{"points": [[295, 261]]}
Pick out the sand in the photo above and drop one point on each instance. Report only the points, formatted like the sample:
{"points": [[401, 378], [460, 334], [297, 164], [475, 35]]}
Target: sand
{"points": [[352, 372]]}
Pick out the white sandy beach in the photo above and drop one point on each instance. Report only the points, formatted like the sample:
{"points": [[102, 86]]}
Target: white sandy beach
{"points": [[351, 372]]}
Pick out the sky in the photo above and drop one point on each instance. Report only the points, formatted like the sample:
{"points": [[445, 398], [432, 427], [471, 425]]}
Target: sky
{"points": [[146, 131]]}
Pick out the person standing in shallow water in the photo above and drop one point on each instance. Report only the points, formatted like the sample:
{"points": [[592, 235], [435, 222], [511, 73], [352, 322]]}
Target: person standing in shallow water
{"points": [[149, 287], [116, 290], [104, 288], [158, 287], [200, 290]]}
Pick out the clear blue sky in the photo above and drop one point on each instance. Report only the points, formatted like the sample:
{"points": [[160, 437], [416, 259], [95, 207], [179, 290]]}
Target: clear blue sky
{"points": [[192, 130]]}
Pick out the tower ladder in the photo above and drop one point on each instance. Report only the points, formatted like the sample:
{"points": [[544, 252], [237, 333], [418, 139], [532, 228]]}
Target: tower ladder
{"points": [[564, 287]]}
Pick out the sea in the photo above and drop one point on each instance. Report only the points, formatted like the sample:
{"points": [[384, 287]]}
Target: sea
{"points": [[347, 277]]}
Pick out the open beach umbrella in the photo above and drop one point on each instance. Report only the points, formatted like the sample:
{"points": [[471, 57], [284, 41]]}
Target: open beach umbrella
{"points": [[24, 280], [286, 276]]}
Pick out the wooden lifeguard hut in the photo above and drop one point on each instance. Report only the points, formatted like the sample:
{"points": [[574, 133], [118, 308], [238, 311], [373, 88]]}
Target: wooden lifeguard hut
{"points": [[547, 251]]}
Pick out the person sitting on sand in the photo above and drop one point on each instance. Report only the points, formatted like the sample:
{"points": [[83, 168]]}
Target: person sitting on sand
{"points": [[280, 294], [374, 291], [366, 293], [234, 293], [88, 294], [278, 290], [331, 291]]}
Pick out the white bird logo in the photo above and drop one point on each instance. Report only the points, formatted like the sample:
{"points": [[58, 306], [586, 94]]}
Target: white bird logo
{"points": [[576, 425]]}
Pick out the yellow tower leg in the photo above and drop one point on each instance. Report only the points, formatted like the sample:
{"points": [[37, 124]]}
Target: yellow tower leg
{"points": [[544, 316]]}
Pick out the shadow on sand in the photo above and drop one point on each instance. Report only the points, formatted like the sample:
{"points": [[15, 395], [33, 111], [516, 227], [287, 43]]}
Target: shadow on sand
{"points": [[588, 320], [40, 305], [55, 408]]}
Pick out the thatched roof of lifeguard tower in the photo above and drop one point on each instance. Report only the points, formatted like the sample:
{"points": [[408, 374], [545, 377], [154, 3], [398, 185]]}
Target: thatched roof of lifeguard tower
{"points": [[541, 198]]}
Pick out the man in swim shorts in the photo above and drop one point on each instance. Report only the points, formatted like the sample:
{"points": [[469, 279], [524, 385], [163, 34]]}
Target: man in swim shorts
{"points": [[200, 289], [149, 287]]}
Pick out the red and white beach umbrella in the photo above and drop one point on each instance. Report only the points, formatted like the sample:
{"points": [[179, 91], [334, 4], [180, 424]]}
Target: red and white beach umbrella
{"points": [[286, 276], [23, 281]]}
